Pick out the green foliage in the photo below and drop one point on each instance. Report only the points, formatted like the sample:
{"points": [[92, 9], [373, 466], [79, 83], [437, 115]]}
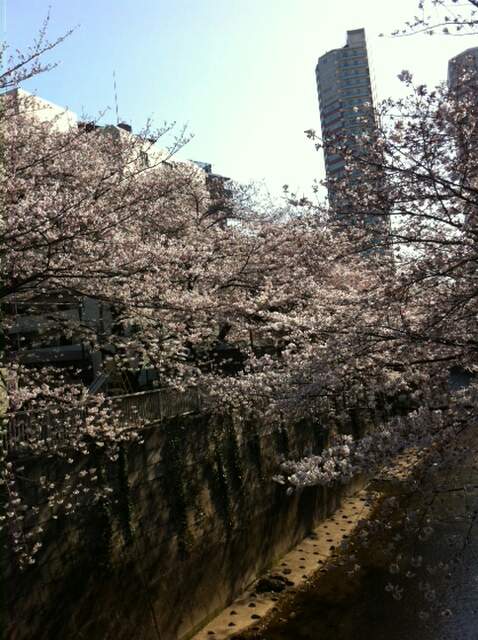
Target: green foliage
{"points": [[220, 495], [254, 449], [281, 437], [234, 467], [100, 530], [356, 422], [123, 502], [320, 436], [173, 457], [100, 540]]}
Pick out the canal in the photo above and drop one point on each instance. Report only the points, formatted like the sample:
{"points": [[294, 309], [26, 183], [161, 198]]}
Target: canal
{"points": [[411, 572]]}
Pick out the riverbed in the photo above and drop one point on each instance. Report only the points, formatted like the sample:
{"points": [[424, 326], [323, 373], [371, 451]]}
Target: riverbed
{"points": [[398, 585]]}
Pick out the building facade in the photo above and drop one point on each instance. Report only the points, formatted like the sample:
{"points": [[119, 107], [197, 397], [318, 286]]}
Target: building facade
{"points": [[465, 64], [463, 87], [21, 101], [346, 103], [220, 193], [43, 328]]}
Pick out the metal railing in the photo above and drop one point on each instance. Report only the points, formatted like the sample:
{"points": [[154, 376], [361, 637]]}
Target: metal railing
{"points": [[135, 410], [147, 407]]}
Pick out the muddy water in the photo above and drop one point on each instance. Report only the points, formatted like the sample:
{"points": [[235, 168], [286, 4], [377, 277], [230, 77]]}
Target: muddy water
{"points": [[436, 604]]}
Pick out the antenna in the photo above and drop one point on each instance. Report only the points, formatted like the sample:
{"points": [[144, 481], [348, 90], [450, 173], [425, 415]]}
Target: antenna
{"points": [[116, 97]]}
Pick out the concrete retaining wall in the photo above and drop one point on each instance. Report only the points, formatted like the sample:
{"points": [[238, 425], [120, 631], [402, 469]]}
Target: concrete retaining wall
{"points": [[195, 518]]}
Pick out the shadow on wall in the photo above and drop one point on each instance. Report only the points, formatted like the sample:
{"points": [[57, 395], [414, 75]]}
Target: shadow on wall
{"points": [[194, 519]]}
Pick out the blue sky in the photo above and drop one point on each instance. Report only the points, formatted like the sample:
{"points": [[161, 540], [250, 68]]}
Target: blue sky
{"points": [[240, 73]]}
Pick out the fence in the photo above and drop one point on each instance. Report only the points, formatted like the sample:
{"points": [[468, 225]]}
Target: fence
{"points": [[134, 410], [155, 406]]}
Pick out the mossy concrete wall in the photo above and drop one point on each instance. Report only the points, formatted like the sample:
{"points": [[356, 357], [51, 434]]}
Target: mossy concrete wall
{"points": [[195, 517]]}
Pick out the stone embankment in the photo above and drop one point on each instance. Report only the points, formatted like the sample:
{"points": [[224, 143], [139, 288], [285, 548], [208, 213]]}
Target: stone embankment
{"points": [[292, 570], [404, 584], [194, 519]]}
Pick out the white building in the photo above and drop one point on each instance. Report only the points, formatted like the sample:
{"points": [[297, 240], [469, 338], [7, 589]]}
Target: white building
{"points": [[37, 334], [24, 102]]}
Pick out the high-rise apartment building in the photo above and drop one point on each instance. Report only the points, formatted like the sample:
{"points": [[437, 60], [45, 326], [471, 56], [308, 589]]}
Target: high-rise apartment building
{"points": [[463, 86], [345, 100], [464, 65]]}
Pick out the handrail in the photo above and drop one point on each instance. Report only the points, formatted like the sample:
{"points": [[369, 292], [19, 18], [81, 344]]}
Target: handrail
{"points": [[137, 409]]}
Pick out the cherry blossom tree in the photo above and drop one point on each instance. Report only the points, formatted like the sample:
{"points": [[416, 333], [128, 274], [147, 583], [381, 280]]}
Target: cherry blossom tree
{"points": [[448, 17], [417, 317], [22, 65], [324, 310], [412, 219], [95, 213], [70, 201]]}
